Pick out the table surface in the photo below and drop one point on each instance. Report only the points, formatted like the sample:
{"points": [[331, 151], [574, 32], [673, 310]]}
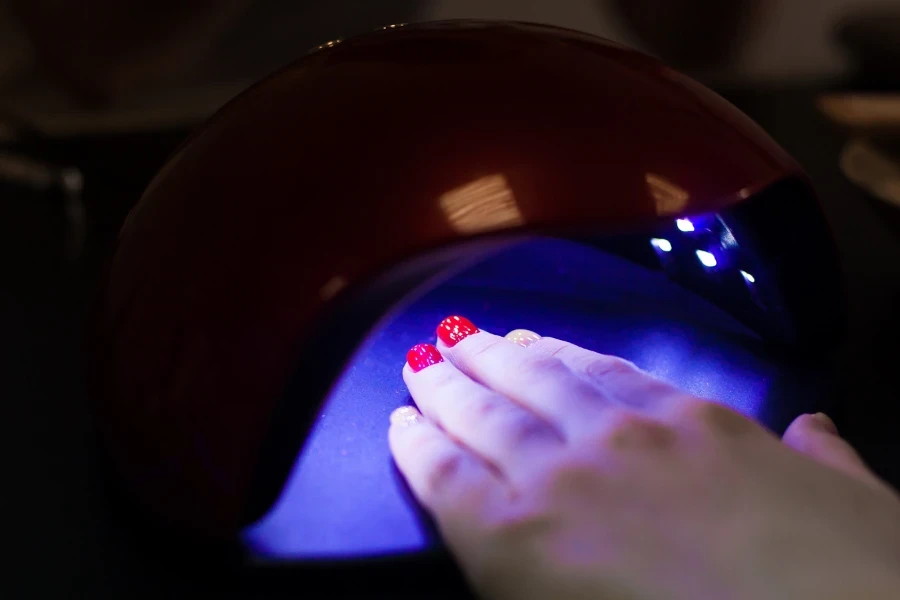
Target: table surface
{"points": [[67, 533]]}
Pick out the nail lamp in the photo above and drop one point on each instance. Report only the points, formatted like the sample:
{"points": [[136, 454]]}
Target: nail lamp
{"points": [[263, 293]]}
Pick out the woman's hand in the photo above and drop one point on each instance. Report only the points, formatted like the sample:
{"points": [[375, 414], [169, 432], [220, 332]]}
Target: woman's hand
{"points": [[555, 473]]}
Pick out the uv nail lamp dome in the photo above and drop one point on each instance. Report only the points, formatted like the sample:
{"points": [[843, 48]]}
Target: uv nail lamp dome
{"points": [[324, 221]]}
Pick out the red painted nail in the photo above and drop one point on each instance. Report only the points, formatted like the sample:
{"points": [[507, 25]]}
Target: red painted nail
{"points": [[454, 329], [423, 355]]}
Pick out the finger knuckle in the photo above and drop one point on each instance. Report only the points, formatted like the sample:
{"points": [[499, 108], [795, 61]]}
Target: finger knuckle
{"points": [[483, 408], [694, 410], [548, 346], [446, 379], [573, 475], [474, 410], [609, 367], [539, 366], [520, 427], [627, 430], [443, 470], [419, 440], [475, 347], [518, 525], [714, 417]]}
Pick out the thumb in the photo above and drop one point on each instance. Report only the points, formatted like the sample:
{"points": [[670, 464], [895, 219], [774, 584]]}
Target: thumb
{"points": [[817, 437]]}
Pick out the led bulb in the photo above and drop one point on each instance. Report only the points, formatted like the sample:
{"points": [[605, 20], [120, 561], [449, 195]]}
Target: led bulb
{"points": [[661, 244], [707, 259], [748, 277], [684, 225]]}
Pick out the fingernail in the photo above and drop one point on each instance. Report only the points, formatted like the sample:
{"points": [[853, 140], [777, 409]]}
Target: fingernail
{"points": [[825, 422], [522, 337], [423, 355], [406, 416], [454, 329]]}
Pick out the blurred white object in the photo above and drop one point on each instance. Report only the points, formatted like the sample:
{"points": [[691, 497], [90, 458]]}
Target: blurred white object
{"points": [[872, 169]]}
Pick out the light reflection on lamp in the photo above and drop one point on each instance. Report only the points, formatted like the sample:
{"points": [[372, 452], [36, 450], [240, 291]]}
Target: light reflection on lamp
{"points": [[684, 225], [707, 259], [485, 204], [727, 237], [727, 241], [670, 198], [748, 277], [327, 45]]}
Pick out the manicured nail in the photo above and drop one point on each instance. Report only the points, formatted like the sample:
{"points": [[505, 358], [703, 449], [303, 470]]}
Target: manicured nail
{"points": [[825, 422], [452, 330], [522, 337], [406, 416], [423, 355]]}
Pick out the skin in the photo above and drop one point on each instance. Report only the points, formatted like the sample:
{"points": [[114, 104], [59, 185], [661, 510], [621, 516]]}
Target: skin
{"points": [[556, 472]]}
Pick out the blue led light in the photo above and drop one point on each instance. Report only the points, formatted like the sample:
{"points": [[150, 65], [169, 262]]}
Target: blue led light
{"points": [[684, 225], [748, 277], [661, 244], [707, 259]]}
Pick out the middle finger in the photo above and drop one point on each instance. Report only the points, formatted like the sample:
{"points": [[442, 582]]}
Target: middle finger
{"points": [[541, 383]]}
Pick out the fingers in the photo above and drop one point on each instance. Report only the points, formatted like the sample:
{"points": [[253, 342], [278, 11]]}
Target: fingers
{"points": [[817, 437], [445, 477], [618, 379], [540, 383], [504, 433]]}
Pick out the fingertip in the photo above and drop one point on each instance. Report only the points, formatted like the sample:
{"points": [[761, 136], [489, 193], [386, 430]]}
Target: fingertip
{"points": [[404, 421], [405, 416], [809, 424], [816, 436], [422, 356], [824, 422], [396, 433], [454, 329]]}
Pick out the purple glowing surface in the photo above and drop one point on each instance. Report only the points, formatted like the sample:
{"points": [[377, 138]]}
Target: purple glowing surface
{"points": [[344, 498]]}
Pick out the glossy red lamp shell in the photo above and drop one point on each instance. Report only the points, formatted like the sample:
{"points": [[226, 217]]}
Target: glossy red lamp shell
{"points": [[325, 175]]}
